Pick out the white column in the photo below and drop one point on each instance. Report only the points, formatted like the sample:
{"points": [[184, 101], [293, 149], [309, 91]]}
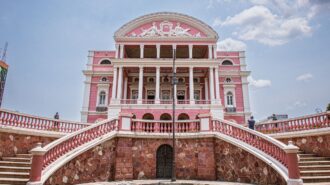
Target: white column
{"points": [[217, 86], [206, 82], [114, 84], [157, 100], [120, 83], [125, 87], [90, 60], [215, 51], [211, 85], [246, 97], [117, 50], [158, 50], [175, 89], [84, 112], [140, 85], [190, 51], [191, 85], [141, 51], [121, 50], [210, 51]]}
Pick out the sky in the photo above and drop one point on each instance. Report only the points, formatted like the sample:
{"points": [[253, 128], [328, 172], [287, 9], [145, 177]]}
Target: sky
{"points": [[286, 44]]}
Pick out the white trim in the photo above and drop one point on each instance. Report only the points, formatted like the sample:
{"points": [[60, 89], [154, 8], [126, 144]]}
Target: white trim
{"points": [[302, 133], [31, 132], [86, 99]]}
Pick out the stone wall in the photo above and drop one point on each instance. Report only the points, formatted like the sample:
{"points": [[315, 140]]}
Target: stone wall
{"points": [[319, 145], [136, 158], [94, 165], [236, 165], [11, 144]]}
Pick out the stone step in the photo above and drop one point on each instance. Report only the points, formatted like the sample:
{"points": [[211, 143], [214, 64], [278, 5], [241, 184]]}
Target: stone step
{"points": [[307, 155], [14, 169], [12, 163], [15, 181], [315, 173], [314, 167], [24, 155], [304, 163], [309, 179], [17, 159], [314, 158], [14, 174]]}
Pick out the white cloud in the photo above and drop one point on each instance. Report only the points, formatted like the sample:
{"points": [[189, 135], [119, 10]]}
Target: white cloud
{"points": [[304, 77], [259, 83], [230, 44], [296, 104], [260, 24], [217, 22]]}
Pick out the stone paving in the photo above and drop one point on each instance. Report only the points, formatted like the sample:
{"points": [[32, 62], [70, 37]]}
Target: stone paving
{"points": [[166, 182]]}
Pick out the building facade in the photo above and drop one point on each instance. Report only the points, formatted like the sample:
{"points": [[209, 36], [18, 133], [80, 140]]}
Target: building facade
{"points": [[136, 77]]}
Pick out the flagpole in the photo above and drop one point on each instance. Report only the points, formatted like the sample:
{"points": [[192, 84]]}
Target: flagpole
{"points": [[174, 82]]}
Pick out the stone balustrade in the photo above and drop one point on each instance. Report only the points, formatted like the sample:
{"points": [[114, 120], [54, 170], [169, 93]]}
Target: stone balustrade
{"points": [[314, 121], [285, 154], [45, 157], [164, 126], [15, 119]]}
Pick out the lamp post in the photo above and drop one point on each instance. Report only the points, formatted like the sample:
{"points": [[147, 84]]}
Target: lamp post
{"points": [[174, 82]]}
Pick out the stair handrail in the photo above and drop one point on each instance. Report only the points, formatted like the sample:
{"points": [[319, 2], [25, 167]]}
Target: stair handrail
{"points": [[22, 120], [307, 122], [284, 154], [44, 157]]}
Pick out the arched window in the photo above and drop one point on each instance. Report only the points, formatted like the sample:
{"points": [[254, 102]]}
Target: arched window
{"points": [[228, 80], [165, 116], [230, 99], [227, 63], [105, 61], [102, 98], [148, 116], [183, 116]]}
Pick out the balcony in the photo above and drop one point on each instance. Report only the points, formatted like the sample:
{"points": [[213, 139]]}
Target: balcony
{"points": [[162, 102], [101, 109], [230, 109]]}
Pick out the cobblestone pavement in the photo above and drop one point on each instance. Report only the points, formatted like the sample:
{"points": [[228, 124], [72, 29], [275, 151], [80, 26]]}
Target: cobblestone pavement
{"points": [[166, 182]]}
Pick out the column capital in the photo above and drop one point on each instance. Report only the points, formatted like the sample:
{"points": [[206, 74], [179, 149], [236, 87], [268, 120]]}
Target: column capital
{"points": [[174, 46], [120, 67], [157, 45], [191, 67], [141, 45], [141, 67], [157, 67]]}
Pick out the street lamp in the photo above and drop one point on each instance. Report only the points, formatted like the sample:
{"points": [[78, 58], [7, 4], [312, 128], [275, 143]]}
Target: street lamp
{"points": [[174, 82]]}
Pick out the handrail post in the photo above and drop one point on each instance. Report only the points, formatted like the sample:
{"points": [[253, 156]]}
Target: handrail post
{"points": [[37, 164], [292, 162]]}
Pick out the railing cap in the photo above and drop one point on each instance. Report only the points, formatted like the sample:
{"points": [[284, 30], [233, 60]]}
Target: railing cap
{"points": [[38, 150], [290, 148]]}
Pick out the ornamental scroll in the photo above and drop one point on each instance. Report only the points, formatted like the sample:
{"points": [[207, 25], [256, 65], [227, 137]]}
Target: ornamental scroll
{"points": [[165, 29]]}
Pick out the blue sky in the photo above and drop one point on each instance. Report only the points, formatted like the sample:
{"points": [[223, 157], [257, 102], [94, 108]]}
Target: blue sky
{"points": [[287, 45]]}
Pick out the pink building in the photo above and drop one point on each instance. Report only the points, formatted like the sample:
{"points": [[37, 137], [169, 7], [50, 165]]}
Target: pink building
{"points": [[136, 77]]}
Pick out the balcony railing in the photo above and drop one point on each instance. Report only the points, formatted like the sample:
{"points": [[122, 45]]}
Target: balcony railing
{"points": [[165, 126], [314, 121], [20, 120], [168, 101], [230, 109]]}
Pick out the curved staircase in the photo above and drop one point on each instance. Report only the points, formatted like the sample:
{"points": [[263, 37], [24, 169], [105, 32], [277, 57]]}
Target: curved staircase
{"points": [[15, 170], [314, 169]]}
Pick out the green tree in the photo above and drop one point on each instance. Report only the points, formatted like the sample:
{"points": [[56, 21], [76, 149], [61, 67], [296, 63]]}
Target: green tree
{"points": [[328, 108]]}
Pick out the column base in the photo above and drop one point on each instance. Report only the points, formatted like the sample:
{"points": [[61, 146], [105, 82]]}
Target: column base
{"points": [[139, 101], [157, 101], [192, 102]]}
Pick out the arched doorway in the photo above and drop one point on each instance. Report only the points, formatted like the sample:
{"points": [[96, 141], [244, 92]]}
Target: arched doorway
{"points": [[148, 116], [183, 116], [165, 116], [164, 162]]}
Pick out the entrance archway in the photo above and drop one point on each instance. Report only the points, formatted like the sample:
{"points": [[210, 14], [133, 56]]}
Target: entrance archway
{"points": [[164, 161]]}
